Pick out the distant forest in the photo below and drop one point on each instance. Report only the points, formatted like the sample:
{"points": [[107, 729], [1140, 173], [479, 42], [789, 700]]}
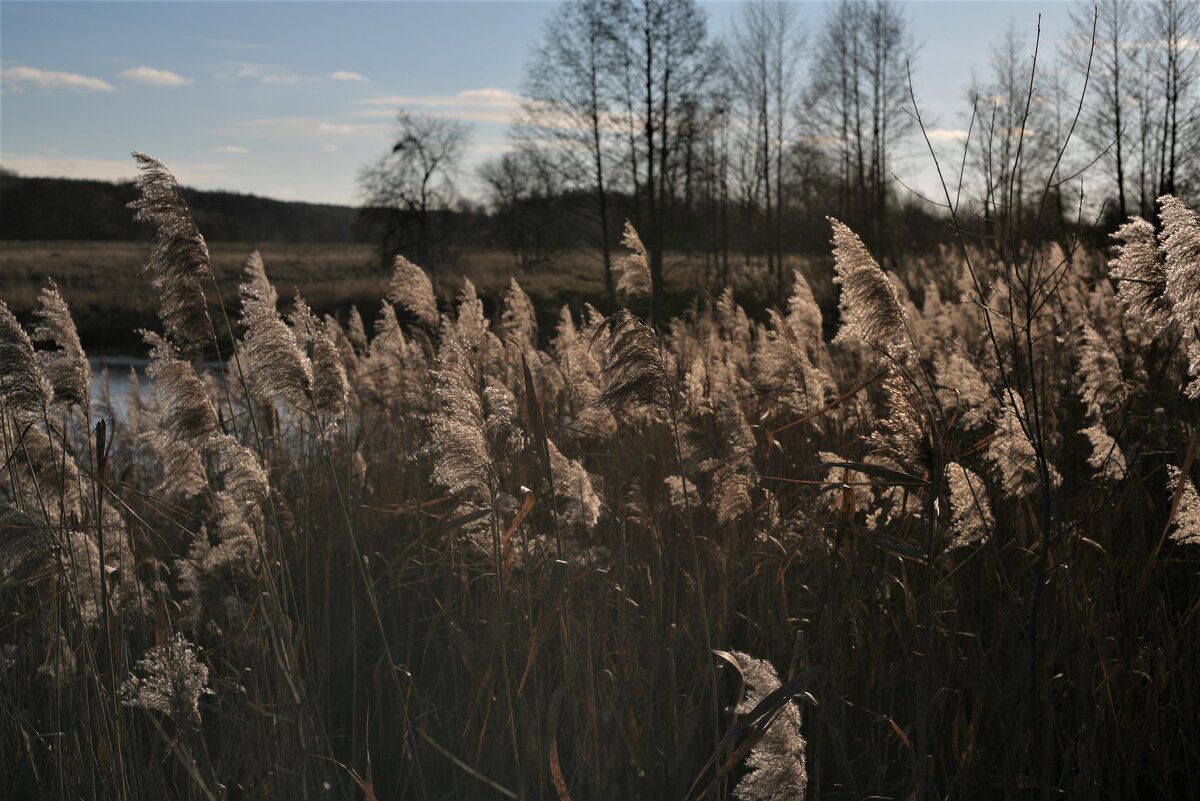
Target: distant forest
{"points": [[61, 208]]}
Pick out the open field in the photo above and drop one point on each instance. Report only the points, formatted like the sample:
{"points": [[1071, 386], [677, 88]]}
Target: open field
{"points": [[105, 282]]}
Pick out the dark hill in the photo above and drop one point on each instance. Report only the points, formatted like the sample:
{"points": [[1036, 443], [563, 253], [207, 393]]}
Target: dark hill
{"points": [[65, 208]]}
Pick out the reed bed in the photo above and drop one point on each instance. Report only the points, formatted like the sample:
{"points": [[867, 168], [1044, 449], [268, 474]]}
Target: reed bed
{"points": [[950, 552]]}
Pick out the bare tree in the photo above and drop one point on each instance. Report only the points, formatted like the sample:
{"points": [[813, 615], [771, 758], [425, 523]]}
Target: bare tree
{"points": [[524, 188], [406, 188], [569, 90], [1173, 29], [1110, 85], [665, 58], [764, 60], [856, 99]]}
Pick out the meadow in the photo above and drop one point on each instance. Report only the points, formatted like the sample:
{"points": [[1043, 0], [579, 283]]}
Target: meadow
{"points": [[948, 551]]}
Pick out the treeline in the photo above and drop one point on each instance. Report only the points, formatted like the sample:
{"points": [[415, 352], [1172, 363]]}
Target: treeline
{"points": [[61, 208], [734, 148]]}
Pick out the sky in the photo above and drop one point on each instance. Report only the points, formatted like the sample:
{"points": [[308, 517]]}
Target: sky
{"points": [[290, 98]]}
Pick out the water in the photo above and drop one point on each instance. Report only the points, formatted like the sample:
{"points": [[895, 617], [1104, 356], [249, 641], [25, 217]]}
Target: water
{"points": [[120, 386]]}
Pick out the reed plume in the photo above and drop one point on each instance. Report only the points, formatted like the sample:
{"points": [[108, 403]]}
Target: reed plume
{"points": [[634, 372], [457, 433], [170, 679], [411, 288], [274, 359], [1106, 459], [1141, 275], [633, 269], [66, 366], [23, 385], [777, 761], [869, 304], [190, 417], [971, 520], [1180, 242], [1186, 529], [519, 320], [180, 258]]}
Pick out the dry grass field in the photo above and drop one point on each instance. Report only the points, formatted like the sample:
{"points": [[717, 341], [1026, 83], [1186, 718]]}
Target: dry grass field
{"points": [[951, 551], [105, 281]]}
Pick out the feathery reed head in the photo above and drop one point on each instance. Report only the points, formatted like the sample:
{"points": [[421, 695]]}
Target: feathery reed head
{"points": [[869, 304], [190, 416], [776, 762], [1180, 241], [634, 372], [281, 371], [169, 679], [904, 435], [23, 385], [179, 260], [330, 387], [1140, 274], [457, 429], [971, 519], [411, 288], [633, 270], [519, 320], [1186, 530], [66, 367]]}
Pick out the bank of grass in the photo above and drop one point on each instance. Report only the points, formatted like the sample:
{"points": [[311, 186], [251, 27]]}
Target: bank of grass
{"points": [[111, 297]]}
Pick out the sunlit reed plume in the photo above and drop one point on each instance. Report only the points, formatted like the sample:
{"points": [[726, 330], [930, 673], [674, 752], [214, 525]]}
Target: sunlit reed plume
{"points": [[189, 414], [169, 679], [23, 386], [457, 436], [411, 288], [777, 761], [1180, 240], [66, 367], [869, 305], [1186, 530], [278, 368], [1106, 459], [634, 373], [179, 260], [971, 519], [633, 269], [1141, 275]]}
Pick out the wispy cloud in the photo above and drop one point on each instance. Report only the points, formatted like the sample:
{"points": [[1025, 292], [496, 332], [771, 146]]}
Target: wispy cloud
{"points": [[306, 128], [154, 77], [471, 105], [329, 147], [263, 73], [52, 79], [492, 98], [348, 76], [947, 134], [236, 150]]}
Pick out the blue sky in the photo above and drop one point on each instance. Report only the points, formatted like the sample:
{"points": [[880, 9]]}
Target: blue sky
{"points": [[288, 99]]}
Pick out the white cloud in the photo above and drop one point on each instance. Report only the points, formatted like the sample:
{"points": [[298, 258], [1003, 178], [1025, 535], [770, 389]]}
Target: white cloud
{"points": [[303, 128], [329, 147], [105, 169], [52, 79], [349, 76], [236, 150], [471, 105], [154, 77], [947, 134], [490, 98], [263, 73]]}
